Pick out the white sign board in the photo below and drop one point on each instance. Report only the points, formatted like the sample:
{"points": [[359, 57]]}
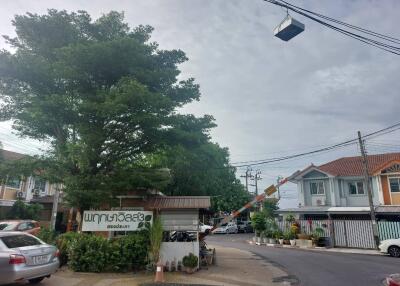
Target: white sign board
{"points": [[115, 220]]}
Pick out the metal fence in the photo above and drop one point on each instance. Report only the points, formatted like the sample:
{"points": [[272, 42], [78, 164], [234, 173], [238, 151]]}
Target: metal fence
{"points": [[348, 233], [388, 229], [306, 226]]}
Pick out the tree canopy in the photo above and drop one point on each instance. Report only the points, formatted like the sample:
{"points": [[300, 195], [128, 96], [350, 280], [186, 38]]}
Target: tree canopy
{"points": [[106, 99]]}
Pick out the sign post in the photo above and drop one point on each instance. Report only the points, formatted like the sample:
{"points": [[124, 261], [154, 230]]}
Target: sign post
{"points": [[116, 220]]}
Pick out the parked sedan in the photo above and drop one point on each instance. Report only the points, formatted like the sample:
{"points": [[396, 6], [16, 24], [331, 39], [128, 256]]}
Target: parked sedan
{"points": [[244, 226], [28, 226], [227, 228], [390, 246], [204, 228], [24, 257]]}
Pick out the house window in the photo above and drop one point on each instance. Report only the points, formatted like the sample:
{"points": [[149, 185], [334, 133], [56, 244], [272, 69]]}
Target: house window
{"points": [[40, 185], [317, 188], [14, 183], [394, 185], [356, 188]]}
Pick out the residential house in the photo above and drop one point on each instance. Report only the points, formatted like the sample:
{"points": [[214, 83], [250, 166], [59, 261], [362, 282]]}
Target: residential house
{"points": [[337, 188], [16, 186]]}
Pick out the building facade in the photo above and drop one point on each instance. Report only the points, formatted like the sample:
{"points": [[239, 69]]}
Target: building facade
{"points": [[338, 187]]}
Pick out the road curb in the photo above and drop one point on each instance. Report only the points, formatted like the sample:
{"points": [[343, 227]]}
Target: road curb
{"points": [[316, 249]]}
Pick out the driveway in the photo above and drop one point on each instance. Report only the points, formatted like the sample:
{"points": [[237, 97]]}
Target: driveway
{"points": [[318, 268]]}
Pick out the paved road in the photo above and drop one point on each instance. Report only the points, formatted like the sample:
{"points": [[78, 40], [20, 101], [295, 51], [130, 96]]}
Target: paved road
{"points": [[313, 268]]}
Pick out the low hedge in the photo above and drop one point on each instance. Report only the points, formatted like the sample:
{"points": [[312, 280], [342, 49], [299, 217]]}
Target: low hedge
{"points": [[92, 253]]}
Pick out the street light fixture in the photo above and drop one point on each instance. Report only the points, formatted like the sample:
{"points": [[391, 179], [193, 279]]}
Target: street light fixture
{"points": [[288, 28]]}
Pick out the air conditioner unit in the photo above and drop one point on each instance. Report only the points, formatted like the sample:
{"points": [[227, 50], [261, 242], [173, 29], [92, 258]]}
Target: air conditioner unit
{"points": [[21, 195], [318, 201]]}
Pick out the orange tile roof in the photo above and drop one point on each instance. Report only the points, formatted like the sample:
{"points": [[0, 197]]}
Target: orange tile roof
{"points": [[352, 166]]}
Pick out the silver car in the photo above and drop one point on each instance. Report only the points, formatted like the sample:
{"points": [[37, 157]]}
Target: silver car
{"points": [[24, 257]]}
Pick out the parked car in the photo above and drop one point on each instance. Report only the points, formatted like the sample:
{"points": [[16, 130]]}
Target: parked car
{"points": [[23, 257], [204, 228], [28, 226], [244, 226], [391, 247], [227, 228]]}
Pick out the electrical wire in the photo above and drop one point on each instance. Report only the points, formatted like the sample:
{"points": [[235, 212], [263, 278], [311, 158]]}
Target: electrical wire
{"points": [[374, 134], [380, 45]]}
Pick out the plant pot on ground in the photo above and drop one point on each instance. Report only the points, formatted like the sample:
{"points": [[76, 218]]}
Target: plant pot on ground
{"points": [[292, 242], [190, 262], [281, 241]]}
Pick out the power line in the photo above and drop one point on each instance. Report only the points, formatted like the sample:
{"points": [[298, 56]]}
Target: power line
{"points": [[376, 43], [374, 134]]}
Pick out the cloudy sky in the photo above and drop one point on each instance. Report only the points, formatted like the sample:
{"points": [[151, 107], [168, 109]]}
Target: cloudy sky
{"points": [[269, 98]]}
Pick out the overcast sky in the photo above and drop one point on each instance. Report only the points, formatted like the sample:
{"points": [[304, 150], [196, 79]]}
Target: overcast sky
{"points": [[269, 97]]}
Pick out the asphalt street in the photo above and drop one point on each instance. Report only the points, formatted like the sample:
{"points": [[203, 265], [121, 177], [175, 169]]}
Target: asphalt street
{"points": [[313, 268]]}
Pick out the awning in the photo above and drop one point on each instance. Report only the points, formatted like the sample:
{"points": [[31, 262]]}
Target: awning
{"points": [[179, 202]]}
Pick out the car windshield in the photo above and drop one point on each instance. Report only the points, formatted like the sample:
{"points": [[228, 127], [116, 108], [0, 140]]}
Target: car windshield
{"points": [[7, 225], [19, 240], [224, 224]]}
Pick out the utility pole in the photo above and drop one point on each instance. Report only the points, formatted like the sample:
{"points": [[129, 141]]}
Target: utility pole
{"points": [[369, 190], [247, 176], [55, 208], [256, 178], [277, 183]]}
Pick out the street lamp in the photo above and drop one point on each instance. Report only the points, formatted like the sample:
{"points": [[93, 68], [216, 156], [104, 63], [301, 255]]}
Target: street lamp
{"points": [[288, 28]]}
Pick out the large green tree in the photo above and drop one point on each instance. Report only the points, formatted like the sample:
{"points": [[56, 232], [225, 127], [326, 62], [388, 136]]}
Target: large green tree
{"points": [[100, 93], [106, 98]]}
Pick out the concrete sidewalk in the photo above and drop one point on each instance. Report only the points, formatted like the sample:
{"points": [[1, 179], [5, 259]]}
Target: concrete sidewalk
{"points": [[234, 268], [324, 249]]}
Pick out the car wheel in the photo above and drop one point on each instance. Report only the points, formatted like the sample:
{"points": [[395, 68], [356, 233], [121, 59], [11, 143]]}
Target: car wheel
{"points": [[36, 280], [394, 251]]}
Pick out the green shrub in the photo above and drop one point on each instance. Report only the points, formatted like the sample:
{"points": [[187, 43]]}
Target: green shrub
{"points": [[258, 222], [89, 253], [47, 235], [64, 242], [190, 261], [129, 252]]}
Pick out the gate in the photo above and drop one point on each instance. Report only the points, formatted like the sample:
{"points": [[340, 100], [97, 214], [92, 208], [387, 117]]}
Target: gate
{"points": [[353, 233]]}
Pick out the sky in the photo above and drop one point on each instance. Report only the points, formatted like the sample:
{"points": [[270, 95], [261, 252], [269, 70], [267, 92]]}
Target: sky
{"points": [[269, 97]]}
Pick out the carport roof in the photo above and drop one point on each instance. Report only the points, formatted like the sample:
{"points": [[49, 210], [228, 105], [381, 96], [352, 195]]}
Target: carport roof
{"points": [[179, 202]]}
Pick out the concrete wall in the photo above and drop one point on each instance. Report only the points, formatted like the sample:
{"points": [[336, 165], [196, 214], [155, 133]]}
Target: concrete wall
{"points": [[171, 251]]}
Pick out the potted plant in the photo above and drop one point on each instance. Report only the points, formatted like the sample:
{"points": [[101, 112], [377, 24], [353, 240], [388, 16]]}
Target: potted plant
{"points": [[258, 223], [278, 236], [190, 262], [292, 238], [271, 237], [265, 235], [315, 236]]}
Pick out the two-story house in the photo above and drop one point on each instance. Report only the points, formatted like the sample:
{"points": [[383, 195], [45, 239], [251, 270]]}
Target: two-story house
{"points": [[16, 186], [337, 188]]}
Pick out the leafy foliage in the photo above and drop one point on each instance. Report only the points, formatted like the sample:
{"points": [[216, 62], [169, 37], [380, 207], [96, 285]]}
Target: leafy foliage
{"points": [[92, 253], [106, 99], [21, 210], [64, 242], [47, 235], [101, 94], [270, 205], [89, 253], [156, 235], [258, 222], [190, 261]]}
